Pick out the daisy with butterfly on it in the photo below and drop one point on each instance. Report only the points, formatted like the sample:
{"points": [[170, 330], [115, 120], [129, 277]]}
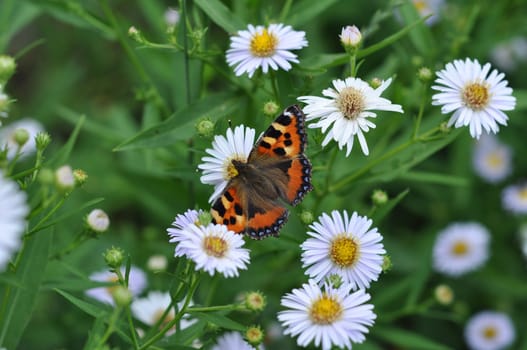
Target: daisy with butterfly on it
{"points": [[253, 183]]}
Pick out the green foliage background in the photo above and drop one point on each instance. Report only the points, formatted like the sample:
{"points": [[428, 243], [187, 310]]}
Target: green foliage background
{"points": [[135, 107]]}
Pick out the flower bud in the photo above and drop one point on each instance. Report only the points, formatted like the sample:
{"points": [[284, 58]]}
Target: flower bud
{"points": [[444, 128], [444, 294], [204, 218], [21, 136], [254, 335], [255, 301], [307, 217], [46, 176], [4, 103], [7, 68], [42, 140], [375, 83], [270, 108], [350, 37], [424, 74], [135, 35], [114, 257], [205, 127], [171, 17], [379, 197], [157, 263], [335, 280], [64, 179], [122, 296], [80, 177], [386, 263], [98, 221]]}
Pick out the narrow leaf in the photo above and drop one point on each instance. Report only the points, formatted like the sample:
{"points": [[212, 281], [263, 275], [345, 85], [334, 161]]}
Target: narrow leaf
{"points": [[220, 14], [407, 340]]}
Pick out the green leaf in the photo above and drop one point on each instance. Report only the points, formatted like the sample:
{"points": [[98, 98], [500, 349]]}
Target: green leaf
{"points": [[221, 15], [407, 340], [435, 178], [218, 320], [173, 129], [303, 12], [521, 99], [60, 157], [420, 36], [85, 306], [21, 300]]}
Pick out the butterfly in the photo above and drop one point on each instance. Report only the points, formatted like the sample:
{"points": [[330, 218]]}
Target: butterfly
{"points": [[276, 171]]}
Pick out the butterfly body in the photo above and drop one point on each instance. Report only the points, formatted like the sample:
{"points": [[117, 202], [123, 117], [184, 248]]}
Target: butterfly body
{"points": [[275, 172]]}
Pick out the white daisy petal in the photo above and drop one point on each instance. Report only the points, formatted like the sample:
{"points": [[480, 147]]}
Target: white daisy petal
{"points": [[264, 47], [489, 330], [514, 198], [461, 248], [477, 97], [233, 341], [326, 316], [344, 114], [13, 209], [137, 282], [344, 246], [32, 126]]}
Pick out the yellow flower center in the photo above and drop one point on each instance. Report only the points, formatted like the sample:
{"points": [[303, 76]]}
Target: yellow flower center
{"points": [[523, 193], [351, 102], [460, 248], [325, 310], [263, 44], [476, 96], [344, 251], [420, 5], [494, 160], [112, 279], [215, 246], [489, 332]]}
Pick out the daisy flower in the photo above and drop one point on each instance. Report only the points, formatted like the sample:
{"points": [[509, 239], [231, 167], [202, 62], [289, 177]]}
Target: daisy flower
{"points": [[510, 54], [13, 209], [265, 47], [460, 248], [213, 248], [7, 137], [231, 341], [345, 246], [429, 7], [491, 159], [514, 198], [152, 307], [330, 317], [218, 168], [347, 108], [476, 97], [181, 222], [136, 284], [489, 330]]}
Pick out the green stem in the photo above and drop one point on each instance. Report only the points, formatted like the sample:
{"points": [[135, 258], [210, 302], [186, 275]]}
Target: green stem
{"points": [[420, 113], [215, 308], [131, 54], [274, 84], [39, 225], [111, 328], [285, 11], [353, 64], [382, 158]]}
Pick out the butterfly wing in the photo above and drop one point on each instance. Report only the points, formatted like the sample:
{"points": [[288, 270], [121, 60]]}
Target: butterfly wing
{"points": [[284, 143]]}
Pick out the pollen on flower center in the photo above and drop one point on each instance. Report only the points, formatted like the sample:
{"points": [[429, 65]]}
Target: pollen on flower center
{"points": [[215, 246], [344, 251], [489, 332], [231, 171], [494, 160], [325, 310], [350, 102], [460, 248], [263, 44], [476, 95], [523, 193]]}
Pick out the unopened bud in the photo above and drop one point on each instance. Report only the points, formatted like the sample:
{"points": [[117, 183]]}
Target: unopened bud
{"points": [[42, 140], [98, 221], [254, 335], [46, 176], [444, 294], [350, 37], [375, 83], [80, 177], [122, 296], [21, 136], [335, 280], [424, 74], [7, 68], [64, 178], [205, 127], [386, 263], [114, 257], [270, 108], [255, 301], [204, 218], [306, 217], [379, 197]]}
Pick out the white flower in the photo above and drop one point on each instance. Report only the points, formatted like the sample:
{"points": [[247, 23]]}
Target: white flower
{"points": [[345, 246], [350, 36], [476, 97], [514, 198], [213, 248], [172, 17], [181, 222], [491, 159], [460, 248], [218, 169], [232, 341], [152, 307], [348, 106], [265, 47], [136, 284], [98, 220], [332, 317], [13, 212], [429, 7], [7, 134], [489, 330]]}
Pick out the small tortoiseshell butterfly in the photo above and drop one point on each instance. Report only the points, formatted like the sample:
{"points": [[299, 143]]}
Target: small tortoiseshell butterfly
{"points": [[276, 171]]}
